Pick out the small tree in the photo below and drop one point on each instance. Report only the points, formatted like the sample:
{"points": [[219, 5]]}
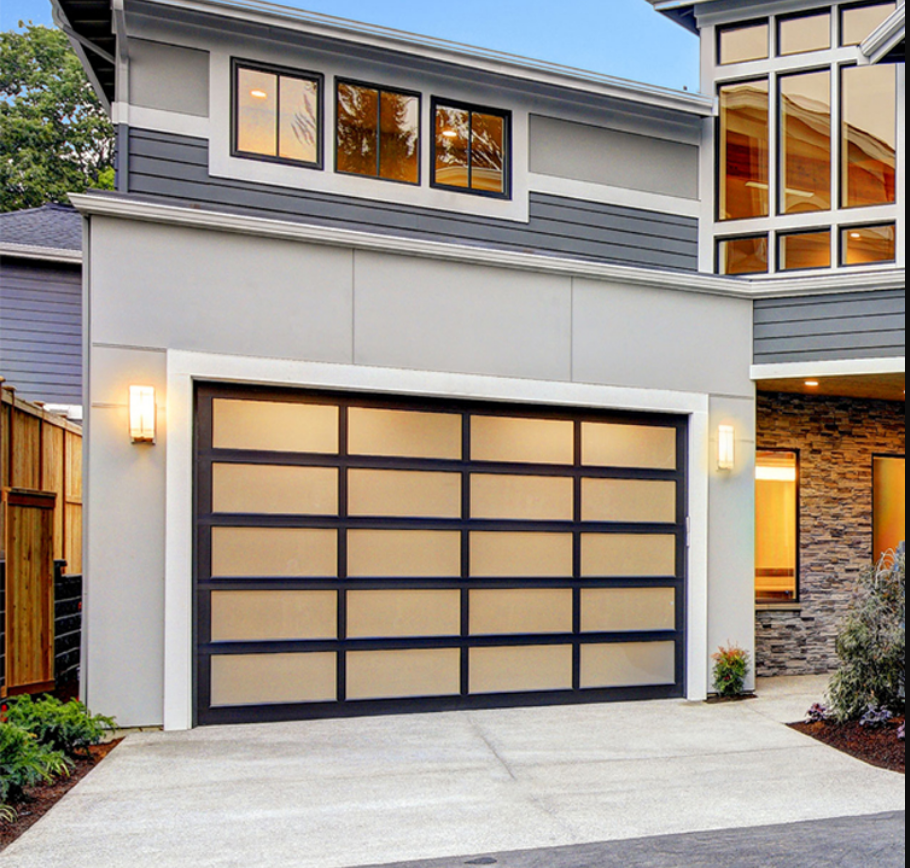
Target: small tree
{"points": [[57, 138], [872, 644]]}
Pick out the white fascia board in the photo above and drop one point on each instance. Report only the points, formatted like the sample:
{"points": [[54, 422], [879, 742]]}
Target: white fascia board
{"points": [[495, 62], [704, 284], [885, 38], [46, 254], [836, 368]]}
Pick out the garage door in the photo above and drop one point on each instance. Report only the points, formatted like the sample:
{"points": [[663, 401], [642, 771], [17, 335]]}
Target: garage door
{"points": [[357, 555]]}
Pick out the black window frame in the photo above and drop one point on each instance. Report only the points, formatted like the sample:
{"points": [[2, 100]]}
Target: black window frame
{"points": [[792, 233], [796, 16], [742, 25], [472, 109], [767, 236], [238, 64], [798, 594], [843, 229], [380, 89]]}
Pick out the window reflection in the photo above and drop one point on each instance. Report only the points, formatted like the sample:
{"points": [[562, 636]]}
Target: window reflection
{"points": [[805, 106], [805, 33], [742, 44], [470, 150], [869, 136], [378, 133], [277, 115], [777, 526], [858, 22], [744, 158], [802, 250], [867, 245], [890, 504], [743, 255]]}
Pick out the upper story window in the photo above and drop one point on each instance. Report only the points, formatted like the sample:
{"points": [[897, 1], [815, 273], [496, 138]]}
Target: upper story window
{"points": [[277, 115], [471, 149], [743, 43], [744, 158], [858, 22], [805, 153], [801, 34], [378, 133]]}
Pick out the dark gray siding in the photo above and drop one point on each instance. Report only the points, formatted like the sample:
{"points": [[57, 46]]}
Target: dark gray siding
{"points": [[860, 325], [41, 330], [166, 166]]}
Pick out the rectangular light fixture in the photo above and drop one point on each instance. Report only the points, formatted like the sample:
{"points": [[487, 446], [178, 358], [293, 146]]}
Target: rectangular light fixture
{"points": [[726, 447], [143, 414]]}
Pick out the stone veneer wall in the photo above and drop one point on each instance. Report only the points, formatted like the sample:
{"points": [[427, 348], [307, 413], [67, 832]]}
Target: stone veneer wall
{"points": [[837, 439]]}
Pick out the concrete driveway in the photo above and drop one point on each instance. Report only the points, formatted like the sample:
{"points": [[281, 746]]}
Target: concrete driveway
{"points": [[340, 794]]}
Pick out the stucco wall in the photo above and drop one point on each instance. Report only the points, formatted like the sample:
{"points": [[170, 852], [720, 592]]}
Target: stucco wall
{"points": [[836, 439]]}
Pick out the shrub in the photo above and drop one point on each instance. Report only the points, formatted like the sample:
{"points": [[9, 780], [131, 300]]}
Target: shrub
{"points": [[69, 728], [818, 714], [731, 666], [871, 644], [24, 762]]}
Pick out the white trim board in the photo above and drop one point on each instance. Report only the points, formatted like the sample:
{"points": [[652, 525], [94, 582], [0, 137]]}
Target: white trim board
{"points": [[47, 254], [841, 368], [185, 368]]}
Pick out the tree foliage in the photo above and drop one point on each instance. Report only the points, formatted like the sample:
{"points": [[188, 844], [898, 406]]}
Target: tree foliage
{"points": [[55, 136]]}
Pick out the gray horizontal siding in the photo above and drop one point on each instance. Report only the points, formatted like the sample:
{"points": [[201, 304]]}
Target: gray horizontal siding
{"points": [[41, 330], [861, 325], [166, 166]]}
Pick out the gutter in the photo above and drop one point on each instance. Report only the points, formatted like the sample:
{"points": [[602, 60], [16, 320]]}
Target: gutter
{"points": [[47, 254]]}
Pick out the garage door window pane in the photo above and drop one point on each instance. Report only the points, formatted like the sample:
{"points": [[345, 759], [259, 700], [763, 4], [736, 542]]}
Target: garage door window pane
{"points": [[262, 616], [260, 489], [403, 674], [502, 613], [632, 446], [273, 679], [627, 610], [530, 441], [633, 664], [531, 498], [628, 500], [260, 552], [405, 434], [632, 555], [379, 614], [521, 670], [521, 555], [265, 426], [404, 554], [403, 494]]}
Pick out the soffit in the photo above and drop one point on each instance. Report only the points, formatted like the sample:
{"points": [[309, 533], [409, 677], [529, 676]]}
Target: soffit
{"points": [[879, 387], [92, 22]]}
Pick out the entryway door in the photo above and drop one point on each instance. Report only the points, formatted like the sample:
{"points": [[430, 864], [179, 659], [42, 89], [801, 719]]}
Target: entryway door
{"points": [[361, 555]]}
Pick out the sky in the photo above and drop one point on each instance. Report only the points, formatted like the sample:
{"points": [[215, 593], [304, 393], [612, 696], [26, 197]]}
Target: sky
{"points": [[623, 38]]}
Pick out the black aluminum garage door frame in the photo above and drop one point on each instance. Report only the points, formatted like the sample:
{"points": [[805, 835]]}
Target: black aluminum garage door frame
{"points": [[205, 455]]}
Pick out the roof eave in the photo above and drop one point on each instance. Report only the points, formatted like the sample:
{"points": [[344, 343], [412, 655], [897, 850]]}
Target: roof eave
{"points": [[92, 43], [886, 39]]}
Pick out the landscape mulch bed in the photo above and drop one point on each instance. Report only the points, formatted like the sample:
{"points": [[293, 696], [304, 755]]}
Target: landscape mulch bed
{"points": [[39, 800], [878, 747]]}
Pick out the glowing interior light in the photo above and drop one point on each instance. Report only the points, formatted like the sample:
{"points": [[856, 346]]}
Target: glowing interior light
{"points": [[259, 94], [775, 474], [856, 235], [450, 134], [813, 384]]}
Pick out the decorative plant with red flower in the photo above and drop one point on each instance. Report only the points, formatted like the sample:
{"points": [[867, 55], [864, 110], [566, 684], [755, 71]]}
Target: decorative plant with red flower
{"points": [[731, 668]]}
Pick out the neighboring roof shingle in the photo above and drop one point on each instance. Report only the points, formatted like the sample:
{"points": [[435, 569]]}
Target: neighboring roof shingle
{"points": [[54, 226]]}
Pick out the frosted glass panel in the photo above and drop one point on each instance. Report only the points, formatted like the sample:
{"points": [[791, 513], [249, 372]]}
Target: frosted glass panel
{"points": [[404, 434], [260, 616], [521, 670], [634, 664], [531, 441], [266, 426], [394, 493], [403, 674], [628, 500], [521, 555], [636, 446], [613, 555], [627, 610], [274, 490], [501, 613], [273, 679], [274, 552], [404, 554], [530, 498], [378, 614]]}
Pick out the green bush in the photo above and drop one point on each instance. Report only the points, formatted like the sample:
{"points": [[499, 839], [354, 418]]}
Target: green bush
{"points": [[871, 643], [66, 727], [731, 666], [24, 762]]}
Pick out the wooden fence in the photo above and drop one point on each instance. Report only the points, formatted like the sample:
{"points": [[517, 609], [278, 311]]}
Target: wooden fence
{"points": [[40, 527]]}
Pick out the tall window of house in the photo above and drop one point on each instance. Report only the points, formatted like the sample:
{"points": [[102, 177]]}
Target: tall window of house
{"points": [[471, 150], [378, 133], [869, 245], [739, 256], [858, 22], [802, 250], [277, 115], [744, 142], [777, 527], [801, 34], [868, 135], [743, 43], [805, 113], [889, 504]]}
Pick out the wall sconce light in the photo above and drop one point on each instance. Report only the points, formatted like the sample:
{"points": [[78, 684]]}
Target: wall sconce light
{"points": [[143, 414], [726, 448]]}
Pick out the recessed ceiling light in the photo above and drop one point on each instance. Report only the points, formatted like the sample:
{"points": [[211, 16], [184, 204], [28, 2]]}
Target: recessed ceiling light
{"points": [[856, 235], [450, 134], [259, 94], [813, 384]]}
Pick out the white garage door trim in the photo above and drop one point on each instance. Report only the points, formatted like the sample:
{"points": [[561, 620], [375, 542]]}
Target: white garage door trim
{"points": [[177, 429]]}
